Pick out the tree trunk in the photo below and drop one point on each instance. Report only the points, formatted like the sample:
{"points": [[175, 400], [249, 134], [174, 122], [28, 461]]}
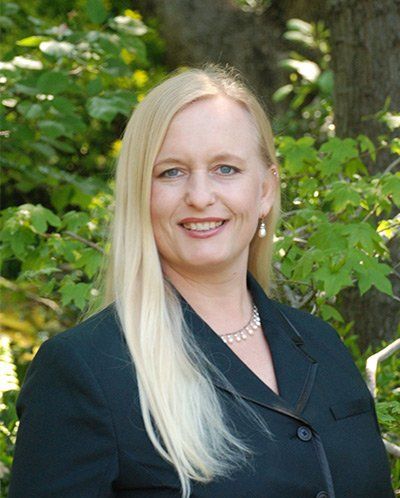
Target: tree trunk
{"points": [[219, 31], [365, 39]]}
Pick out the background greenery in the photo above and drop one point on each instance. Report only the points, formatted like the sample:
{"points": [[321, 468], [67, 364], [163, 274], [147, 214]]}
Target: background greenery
{"points": [[69, 81]]}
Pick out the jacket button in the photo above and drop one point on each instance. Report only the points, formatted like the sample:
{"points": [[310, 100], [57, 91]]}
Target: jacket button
{"points": [[322, 494], [304, 433]]}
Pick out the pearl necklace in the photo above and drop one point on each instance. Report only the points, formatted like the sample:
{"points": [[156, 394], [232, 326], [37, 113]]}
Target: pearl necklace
{"points": [[247, 330]]}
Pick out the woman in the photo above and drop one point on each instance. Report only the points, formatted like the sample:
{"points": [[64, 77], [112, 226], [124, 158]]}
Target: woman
{"points": [[191, 381]]}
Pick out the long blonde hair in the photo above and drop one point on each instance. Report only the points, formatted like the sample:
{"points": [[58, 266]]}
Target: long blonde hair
{"points": [[181, 410]]}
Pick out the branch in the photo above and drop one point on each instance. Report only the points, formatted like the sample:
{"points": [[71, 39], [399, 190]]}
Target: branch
{"points": [[371, 368], [30, 295], [391, 448], [372, 364], [392, 165], [75, 236]]}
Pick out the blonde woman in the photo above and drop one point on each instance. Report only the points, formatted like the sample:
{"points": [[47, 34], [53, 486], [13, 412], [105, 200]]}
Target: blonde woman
{"points": [[190, 381]]}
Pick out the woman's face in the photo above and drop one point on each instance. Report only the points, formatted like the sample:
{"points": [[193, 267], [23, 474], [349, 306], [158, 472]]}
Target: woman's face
{"points": [[209, 188]]}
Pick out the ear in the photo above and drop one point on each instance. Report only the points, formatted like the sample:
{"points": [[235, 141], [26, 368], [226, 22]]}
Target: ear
{"points": [[269, 190]]}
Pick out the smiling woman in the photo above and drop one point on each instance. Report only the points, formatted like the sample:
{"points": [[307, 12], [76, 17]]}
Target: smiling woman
{"points": [[191, 381]]}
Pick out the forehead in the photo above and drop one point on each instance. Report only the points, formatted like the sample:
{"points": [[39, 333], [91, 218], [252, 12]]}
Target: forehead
{"points": [[212, 121]]}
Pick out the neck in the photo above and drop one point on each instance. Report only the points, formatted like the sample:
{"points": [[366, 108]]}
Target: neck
{"points": [[221, 299]]}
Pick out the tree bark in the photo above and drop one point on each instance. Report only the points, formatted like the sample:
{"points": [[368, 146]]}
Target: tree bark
{"points": [[365, 40], [219, 31]]}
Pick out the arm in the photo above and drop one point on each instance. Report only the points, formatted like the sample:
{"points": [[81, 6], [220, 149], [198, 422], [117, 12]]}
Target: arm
{"points": [[65, 443]]}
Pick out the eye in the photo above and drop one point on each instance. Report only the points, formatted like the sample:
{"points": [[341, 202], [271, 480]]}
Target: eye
{"points": [[171, 173], [227, 170]]}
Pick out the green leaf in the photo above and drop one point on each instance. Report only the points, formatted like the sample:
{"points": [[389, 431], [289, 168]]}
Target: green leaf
{"points": [[53, 82], [366, 145], [333, 281], [44, 149], [395, 146], [362, 236], [372, 273], [330, 237], [94, 87], [282, 93], [342, 195], [102, 109], [297, 153], [32, 41], [96, 11], [325, 82], [90, 260], [20, 241], [41, 217], [34, 111], [336, 152], [329, 312], [57, 144], [303, 268], [106, 108], [52, 129], [75, 293], [74, 220], [391, 187], [61, 196]]}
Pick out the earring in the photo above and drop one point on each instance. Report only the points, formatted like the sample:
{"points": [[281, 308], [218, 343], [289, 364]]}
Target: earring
{"points": [[262, 230]]}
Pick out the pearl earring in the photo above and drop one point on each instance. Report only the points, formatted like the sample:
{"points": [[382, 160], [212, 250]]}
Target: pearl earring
{"points": [[262, 230]]}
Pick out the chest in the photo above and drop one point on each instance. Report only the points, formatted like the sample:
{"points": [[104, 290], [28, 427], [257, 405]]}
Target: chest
{"points": [[255, 353]]}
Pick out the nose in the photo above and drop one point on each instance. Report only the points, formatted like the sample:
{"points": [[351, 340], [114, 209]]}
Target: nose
{"points": [[200, 191]]}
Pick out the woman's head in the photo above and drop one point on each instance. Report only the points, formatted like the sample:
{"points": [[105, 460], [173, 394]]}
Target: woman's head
{"points": [[145, 136]]}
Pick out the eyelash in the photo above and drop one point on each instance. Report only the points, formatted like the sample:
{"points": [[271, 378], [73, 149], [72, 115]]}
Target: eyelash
{"points": [[234, 170], [165, 175]]}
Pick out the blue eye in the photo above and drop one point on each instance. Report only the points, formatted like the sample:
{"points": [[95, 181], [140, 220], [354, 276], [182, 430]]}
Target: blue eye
{"points": [[171, 173], [227, 170]]}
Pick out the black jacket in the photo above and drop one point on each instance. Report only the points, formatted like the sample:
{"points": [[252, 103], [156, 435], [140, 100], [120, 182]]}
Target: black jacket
{"points": [[81, 432]]}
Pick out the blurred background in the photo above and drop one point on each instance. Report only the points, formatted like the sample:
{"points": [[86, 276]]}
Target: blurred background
{"points": [[328, 73]]}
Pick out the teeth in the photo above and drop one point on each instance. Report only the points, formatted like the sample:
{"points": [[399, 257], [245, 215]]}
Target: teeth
{"points": [[208, 225]]}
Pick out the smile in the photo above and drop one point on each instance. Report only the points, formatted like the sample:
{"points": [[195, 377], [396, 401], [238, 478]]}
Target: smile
{"points": [[203, 226]]}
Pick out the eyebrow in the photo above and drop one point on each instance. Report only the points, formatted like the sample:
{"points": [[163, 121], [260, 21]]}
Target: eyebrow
{"points": [[218, 157]]}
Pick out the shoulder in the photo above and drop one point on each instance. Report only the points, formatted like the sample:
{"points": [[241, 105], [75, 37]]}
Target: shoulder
{"points": [[103, 325], [311, 329], [318, 336], [94, 348], [309, 324], [98, 336]]}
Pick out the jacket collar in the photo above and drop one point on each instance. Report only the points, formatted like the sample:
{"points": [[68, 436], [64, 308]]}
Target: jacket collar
{"points": [[295, 369]]}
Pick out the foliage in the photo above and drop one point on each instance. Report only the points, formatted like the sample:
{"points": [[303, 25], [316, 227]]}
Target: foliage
{"points": [[67, 92], [331, 238], [308, 93], [9, 386]]}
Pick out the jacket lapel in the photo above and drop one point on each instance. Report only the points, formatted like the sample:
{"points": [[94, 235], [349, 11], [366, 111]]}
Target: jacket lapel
{"points": [[295, 370]]}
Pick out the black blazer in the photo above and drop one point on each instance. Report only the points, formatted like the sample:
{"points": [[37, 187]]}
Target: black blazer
{"points": [[81, 432]]}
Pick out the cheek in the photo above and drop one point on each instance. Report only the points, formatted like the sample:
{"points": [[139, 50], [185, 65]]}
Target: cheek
{"points": [[249, 199], [163, 205]]}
